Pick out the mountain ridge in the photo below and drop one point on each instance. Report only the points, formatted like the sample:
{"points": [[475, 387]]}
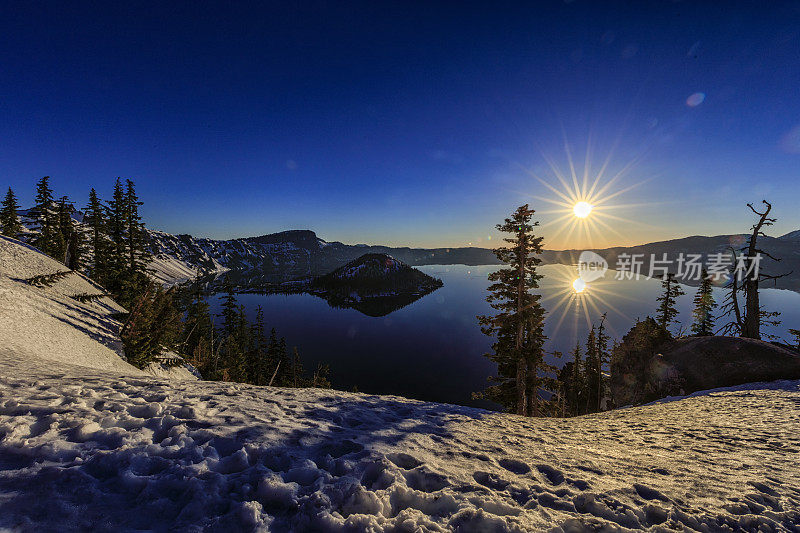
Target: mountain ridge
{"points": [[293, 254]]}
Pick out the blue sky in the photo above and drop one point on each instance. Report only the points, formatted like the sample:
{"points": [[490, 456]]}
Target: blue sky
{"points": [[407, 123]]}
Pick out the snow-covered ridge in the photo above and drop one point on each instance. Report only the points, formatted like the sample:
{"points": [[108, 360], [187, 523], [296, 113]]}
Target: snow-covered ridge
{"points": [[83, 449], [50, 323]]}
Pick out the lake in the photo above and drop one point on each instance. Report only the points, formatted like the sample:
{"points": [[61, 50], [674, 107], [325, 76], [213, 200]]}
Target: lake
{"points": [[433, 348]]}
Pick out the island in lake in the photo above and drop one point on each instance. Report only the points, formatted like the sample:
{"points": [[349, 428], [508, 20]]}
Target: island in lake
{"points": [[375, 284]]}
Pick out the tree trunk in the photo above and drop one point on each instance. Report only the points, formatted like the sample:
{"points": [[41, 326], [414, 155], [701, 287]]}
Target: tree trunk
{"points": [[751, 327], [752, 317], [522, 384], [522, 378], [531, 387]]}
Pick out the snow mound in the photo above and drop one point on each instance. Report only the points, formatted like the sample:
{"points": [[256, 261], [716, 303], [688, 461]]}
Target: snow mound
{"points": [[48, 322], [95, 450]]}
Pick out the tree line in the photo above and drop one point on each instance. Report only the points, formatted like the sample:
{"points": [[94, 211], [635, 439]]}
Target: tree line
{"points": [[108, 242], [526, 384]]}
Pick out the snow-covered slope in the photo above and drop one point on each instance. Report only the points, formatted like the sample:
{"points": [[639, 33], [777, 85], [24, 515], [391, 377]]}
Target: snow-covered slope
{"points": [[89, 450], [47, 322]]}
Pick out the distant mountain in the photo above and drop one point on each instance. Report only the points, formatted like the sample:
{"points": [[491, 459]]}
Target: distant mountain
{"points": [[278, 257], [786, 248], [793, 236]]}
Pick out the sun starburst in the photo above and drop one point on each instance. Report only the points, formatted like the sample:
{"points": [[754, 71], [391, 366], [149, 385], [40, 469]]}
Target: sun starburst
{"points": [[585, 209]]}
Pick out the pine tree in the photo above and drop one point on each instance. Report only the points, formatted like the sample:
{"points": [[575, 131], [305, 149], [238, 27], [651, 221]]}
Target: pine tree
{"points": [[591, 372], [296, 369], [95, 219], [153, 326], [667, 312], [10, 224], [570, 385], [577, 380], [257, 355], [280, 371], [115, 225], [49, 240], [137, 253], [238, 348], [704, 304], [602, 358], [230, 322], [518, 326], [71, 236], [198, 334]]}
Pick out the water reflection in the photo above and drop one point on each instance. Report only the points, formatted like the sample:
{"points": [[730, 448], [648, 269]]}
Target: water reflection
{"points": [[432, 348]]}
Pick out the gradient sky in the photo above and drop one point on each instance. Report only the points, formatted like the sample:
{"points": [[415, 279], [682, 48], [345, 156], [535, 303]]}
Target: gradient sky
{"points": [[409, 123]]}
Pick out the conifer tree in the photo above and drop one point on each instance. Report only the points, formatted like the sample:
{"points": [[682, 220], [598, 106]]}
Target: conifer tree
{"points": [[632, 371], [280, 373], [518, 325], [296, 369], [704, 304], [238, 348], [602, 358], [95, 219], [10, 224], [228, 309], [229, 313], [667, 312], [577, 380], [115, 224], [49, 240], [152, 326], [570, 385], [197, 333], [71, 237], [136, 242], [257, 355], [591, 372]]}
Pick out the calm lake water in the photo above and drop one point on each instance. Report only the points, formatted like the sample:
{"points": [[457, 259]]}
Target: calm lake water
{"points": [[433, 349]]}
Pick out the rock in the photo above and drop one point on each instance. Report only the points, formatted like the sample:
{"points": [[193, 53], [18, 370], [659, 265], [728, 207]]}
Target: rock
{"points": [[710, 362]]}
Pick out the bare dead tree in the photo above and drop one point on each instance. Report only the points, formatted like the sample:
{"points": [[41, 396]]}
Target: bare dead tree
{"points": [[747, 277], [730, 306]]}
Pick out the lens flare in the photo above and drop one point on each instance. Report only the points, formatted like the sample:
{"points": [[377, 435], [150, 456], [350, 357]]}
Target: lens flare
{"points": [[582, 209]]}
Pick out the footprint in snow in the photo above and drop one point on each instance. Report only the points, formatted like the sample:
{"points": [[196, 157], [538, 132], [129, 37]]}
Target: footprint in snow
{"points": [[404, 461], [515, 466], [554, 476]]}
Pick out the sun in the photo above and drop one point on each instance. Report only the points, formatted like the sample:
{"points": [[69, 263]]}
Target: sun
{"points": [[584, 200], [582, 209], [579, 285]]}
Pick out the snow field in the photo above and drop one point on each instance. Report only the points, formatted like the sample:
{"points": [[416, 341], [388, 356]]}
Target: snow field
{"points": [[95, 450]]}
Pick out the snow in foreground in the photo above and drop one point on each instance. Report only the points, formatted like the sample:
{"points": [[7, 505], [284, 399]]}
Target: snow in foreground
{"points": [[92, 449]]}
